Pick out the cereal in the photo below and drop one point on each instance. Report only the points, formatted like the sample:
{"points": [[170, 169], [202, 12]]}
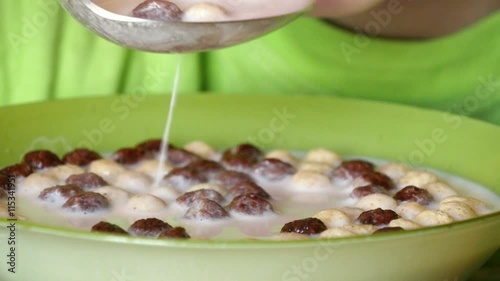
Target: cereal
{"points": [[86, 202], [362, 191], [374, 178], [475, 204], [165, 193], [248, 187], [116, 196], [307, 226], [241, 157], [205, 209], [175, 233], [158, 10], [81, 157], [4, 183], [336, 232], [87, 181], [377, 217], [151, 146], [439, 190], [41, 159], [310, 180], [145, 203], [106, 227], [388, 229], [417, 178], [106, 168], [333, 218], [349, 170], [316, 167], [459, 211], [62, 172], [413, 194], [221, 190], [36, 183], [228, 179], [352, 212], [360, 229], [284, 156], [273, 169], [132, 181], [151, 168], [325, 156], [409, 210], [432, 218], [204, 12], [376, 200], [128, 156], [183, 178], [290, 236], [394, 170], [59, 193], [179, 157], [20, 170], [151, 227], [201, 149], [404, 223], [189, 198], [3, 193], [250, 205], [207, 168]]}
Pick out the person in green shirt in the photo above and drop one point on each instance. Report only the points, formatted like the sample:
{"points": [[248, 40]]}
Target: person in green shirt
{"points": [[438, 54]]}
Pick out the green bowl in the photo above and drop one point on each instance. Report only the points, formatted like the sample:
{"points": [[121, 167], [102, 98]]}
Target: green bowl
{"points": [[420, 137]]}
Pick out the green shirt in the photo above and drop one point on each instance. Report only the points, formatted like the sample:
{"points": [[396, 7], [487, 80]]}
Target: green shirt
{"points": [[45, 54]]}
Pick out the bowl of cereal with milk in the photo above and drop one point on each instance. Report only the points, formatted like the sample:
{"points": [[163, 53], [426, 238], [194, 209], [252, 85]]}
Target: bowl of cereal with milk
{"points": [[295, 188]]}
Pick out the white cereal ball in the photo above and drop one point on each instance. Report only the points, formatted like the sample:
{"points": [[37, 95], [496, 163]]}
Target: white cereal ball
{"points": [[409, 210], [417, 178], [475, 204], [333, 218], [116, 196], [352, 212], [204, 12], [290, 236], [36, 183], [439, 190], [317, 167], [212, 186], [432, 217], [360, 229], [165, 193], [404, 224], [324, 156], [62, 172], [459, 211], [145, 203], [336, 232], [394, 170], [284, 156], [150, 168], [310, 180], [132, 181], [201, 149], [376, 200], [106, 168]]}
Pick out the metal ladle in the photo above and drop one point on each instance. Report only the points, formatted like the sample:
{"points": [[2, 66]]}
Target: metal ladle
{"points": [[175, 36]]}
